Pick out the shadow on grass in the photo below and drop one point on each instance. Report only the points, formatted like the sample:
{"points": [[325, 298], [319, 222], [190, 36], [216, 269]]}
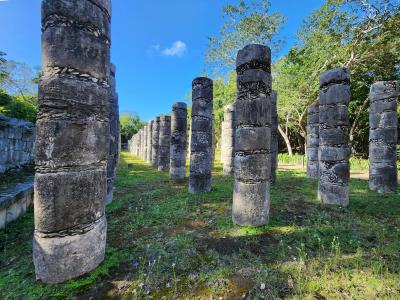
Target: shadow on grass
{"points": [[164, 242]]}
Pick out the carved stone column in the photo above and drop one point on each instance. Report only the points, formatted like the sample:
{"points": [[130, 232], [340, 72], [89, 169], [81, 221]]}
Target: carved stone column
{"points": [[154, 142], [148, 135], [72, 141], [113, 153], [177, 169], [228, 139], [312, 140], [253, 136], [274, 136], [164, 143], [334, 150], [201, 139], [383, 136]]}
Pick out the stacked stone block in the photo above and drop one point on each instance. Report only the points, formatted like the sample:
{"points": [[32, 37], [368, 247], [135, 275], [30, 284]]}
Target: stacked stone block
{"points": [[334, 150], [274, 136], [253, 136], [177, 169], [148, 137], [383, 136], [312, 140], [155, 142], [113, 153], [72, 139], [164, 143], [228, 139], [201, 136], [16, 143]]}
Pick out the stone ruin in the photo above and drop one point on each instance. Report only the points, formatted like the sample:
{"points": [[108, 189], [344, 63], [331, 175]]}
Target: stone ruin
{"points": [[252, 165], [312, 140], [383, 136], [177, 168], [274, 136], [113, 153], [201, 136], [72, 139], [228, 139], [148, 141], [164, 143], [155, 134], [334, 150]]}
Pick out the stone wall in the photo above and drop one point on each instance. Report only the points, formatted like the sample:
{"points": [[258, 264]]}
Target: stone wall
{"points": [[16, 143]]}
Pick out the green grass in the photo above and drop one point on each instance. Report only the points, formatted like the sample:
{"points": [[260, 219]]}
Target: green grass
{"points": [[164, 242], [356, 164]]}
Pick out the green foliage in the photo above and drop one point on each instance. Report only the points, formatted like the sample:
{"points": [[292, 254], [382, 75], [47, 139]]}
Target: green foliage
{"points": [[130, 124], [352, 34], [19, 107], [245, 22], [18, 90]]}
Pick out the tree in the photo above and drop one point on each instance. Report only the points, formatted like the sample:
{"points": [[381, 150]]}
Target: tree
{"points": [[18, 89], [361, 35], [130, 124], [245, 24]]}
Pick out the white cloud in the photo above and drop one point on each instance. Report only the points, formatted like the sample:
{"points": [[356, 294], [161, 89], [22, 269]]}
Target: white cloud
{"points": [[178, 48]]}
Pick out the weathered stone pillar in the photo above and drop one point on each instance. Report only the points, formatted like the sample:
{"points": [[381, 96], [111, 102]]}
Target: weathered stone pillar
{"points": [[201, 138], [113, 153], [274, 136], [253, 136], [148, 135], [228, 139], [383, 136], [312, 140], [154, 142], [72, 140], [164, 143], [334, 150], [177, 168]]}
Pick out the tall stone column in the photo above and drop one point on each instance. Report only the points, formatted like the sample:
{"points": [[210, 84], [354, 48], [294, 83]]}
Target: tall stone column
{"points": [[253, 136], [274, 135], [177, 168], [148, 135], [334, 150], [228, 139], [72, 140], [383, 136], [201, 139], [164, 143], [312, 140], [154, 141], [113, 153]]}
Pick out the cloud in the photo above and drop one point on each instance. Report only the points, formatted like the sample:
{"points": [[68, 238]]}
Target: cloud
{"points": [[178, 48]]}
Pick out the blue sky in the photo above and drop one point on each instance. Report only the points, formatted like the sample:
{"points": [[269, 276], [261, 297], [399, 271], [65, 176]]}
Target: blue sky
{"points": [[157, 45]]}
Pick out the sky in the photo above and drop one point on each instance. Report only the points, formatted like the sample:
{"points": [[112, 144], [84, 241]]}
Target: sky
{"points": [[157, 45]]}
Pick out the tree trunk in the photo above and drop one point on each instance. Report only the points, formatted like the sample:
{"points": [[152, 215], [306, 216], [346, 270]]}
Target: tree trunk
{"points": [[287, 141]]}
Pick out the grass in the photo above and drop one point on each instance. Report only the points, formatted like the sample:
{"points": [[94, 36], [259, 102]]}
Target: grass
{"points": [[356, 164], [165, 243]]}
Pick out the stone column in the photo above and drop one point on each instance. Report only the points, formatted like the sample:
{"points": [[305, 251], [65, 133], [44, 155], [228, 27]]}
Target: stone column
{"points": [[201, 138], [228, 139], [312, 140], [253, 137], [164, 143], [383, 136], [274, 136], [72, 140], [113, 153], [177, 168], [334, 150], [154, 142], [149, 129]]}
